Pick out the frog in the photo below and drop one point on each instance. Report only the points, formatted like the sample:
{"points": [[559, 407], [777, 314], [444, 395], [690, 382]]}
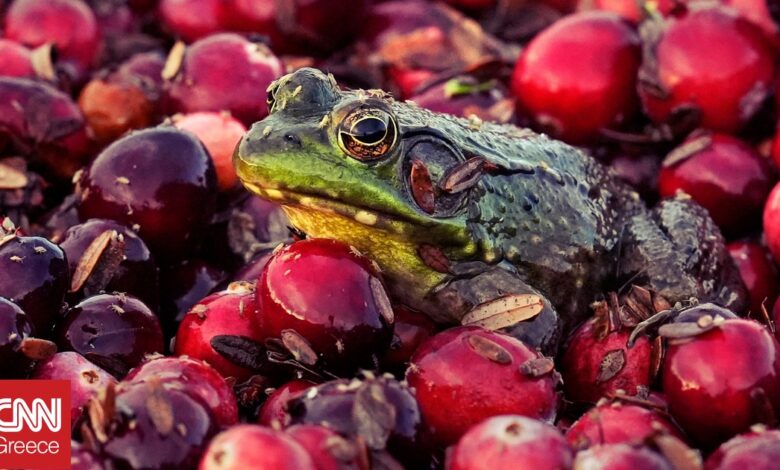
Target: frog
{"points": [[472, 222]]}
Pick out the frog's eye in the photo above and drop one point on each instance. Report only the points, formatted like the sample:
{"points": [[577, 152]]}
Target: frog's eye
{"points": [[367, 134]]}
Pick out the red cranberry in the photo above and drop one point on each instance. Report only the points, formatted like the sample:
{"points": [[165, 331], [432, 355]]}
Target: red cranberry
{"points": [[106, 256], [465, 96], [230, 312], [224, 72], [631, 10], [467, 374], [578, 76], [194, 377], [511, 442], [758, 272], [114, 331], [757, 11], [722, 380], [726, 84], [15, 327], [274, 411], [183, 286], [15, 60], [724, 175], [166, 204], [616, 422], [410, 330], [220, 134], [34, 275], [69, 24], [302, 287], [329, 450], [191, 19], [155, 427], [598, 362], [772, 222], [757, 450], [252, 446], [112, 108], [85, 378], [620, 457]]}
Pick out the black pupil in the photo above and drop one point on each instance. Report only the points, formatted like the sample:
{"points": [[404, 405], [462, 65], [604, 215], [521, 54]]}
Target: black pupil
{"points": [[370, 131]]}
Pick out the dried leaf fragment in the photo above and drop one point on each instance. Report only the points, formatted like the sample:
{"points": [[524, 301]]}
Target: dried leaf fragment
{"points": [[611, 365], [160, 410], [537, 367], [12, 176], [504, 311], [489, 349], [463, 176], [381, 300], [299, 347], [422, 187]]}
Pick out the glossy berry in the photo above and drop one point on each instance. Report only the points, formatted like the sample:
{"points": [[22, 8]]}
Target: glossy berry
{"points": [[34, 275], [504, 442], [165, 202], [107, 256], [711, 390], [620, 457], [757, 450], [758, 272], [15, 60], [191, 19], [726, 84], [724, 175], [410, 330], [274, 412], [193, 377], [69, 24], [329, 450], [224, 72], [616, 422], [183, 286], [15, 327], [229, 312], [578, 76], [220, 133], [86, 379], [252, 446], [115, 331], [113, 108], [467, 374], [302, 287], [772, 222]]}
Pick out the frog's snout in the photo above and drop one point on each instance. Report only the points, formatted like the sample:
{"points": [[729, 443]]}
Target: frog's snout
{"points": [[305, 89]]}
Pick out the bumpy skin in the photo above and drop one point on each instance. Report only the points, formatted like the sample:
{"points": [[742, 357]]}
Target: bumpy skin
{"points": [[542, 217]]}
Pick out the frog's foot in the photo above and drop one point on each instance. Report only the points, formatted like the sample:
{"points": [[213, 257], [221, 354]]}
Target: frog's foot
{"points": [[677, 251], [497, 299]]}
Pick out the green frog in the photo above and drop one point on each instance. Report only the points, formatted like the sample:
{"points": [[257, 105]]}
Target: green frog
{"points": [[473, 222]]}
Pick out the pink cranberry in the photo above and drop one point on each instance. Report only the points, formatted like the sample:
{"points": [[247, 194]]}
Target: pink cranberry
{"points": [[191, 19], [328, 449], [251, 446], [15, 60], [756, 450], [758, 272], [274, 411], [620, 457], [772, 222]]}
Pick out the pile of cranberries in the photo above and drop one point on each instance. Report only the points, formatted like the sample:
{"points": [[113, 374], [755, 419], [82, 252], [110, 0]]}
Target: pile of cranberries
{"points": [[196, 333]]}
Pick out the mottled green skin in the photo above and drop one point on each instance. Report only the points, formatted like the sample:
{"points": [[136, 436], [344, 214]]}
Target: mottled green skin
{"points": [[547, 218]]}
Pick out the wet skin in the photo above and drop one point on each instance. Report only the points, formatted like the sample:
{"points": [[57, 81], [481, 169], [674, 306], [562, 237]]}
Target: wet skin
{"points": [[458, 213]]}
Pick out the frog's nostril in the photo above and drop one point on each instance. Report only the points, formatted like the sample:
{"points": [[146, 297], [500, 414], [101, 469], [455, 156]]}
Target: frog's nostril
{"points": [[292, 139]]}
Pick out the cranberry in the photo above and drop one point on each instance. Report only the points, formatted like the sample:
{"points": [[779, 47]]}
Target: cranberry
{"points": [[329, 450], [757, 450], [379, 410], [254, 227], [15, 328], [220, 134], [274, 411], [194, 377], [59, 141], [15, 60], [410, 330], [191, 19], [467, 374], [224, 72], [85, 378], [620, 457], [166, 204], [252, 446], [34, 275], [640, 171], [112, 108], [229, 312], [511, 442], [252, 270], [84, 458], [183, 286], [114, 331], [143, 70], [301, 288], [69, 24], [578, 76], [616, 422], [466, 96], [597, 361], [758, 272], [711, 390], [757, 11], [772, 222], [724, 175], [107, 256], [681, 69], [154, 427], [631, 10], [472, 5]]}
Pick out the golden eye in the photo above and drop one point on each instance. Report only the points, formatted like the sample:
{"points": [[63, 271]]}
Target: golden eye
{"points": [[367, 134]]}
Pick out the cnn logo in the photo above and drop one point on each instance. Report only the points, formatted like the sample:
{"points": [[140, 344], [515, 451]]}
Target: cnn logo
{"points": [[35, 424]]}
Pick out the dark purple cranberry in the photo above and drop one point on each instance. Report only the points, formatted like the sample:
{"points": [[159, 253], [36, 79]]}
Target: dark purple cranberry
{"points": [[86, 379], [250, 446], [182, 287], [329, 450], [15, 328], [191, 376], [252, 270], [758, 271], [84, 458], [145, 70], [34, 274], [115, 331], [166, 203], [409, 331], [107, 256], [274, 411]]}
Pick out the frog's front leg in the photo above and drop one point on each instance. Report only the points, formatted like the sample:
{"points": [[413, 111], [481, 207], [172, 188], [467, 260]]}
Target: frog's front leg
{"points": [[499, 294], [677, 250]]}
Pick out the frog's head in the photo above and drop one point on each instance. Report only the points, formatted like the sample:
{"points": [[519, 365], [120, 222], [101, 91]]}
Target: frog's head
{"points": [[344, 166]]}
